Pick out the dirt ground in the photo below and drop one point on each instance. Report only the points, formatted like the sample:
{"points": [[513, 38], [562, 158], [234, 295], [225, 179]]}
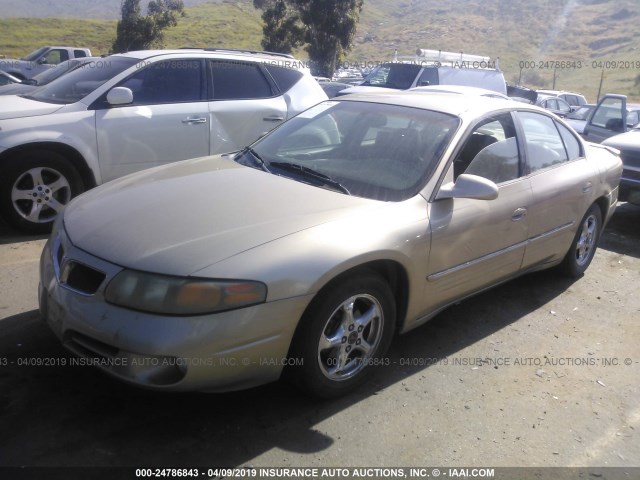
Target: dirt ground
{"points": [[541, 371]]}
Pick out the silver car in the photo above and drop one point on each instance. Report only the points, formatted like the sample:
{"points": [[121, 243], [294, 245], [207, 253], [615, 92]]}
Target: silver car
{"points": [[305, 253]]}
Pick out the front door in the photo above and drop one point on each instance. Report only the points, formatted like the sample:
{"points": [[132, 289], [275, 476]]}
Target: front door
{"points": [[167, 121], [477, 243]]}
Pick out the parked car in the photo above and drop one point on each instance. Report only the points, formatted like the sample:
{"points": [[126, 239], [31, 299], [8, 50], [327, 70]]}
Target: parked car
{"points": [[41, 60], [460, 90], [578, 118], [629, 146], [554, 104], [306, 252], [6, 79], [138, 110], [47, 76], [573, 99], [613, 115]]}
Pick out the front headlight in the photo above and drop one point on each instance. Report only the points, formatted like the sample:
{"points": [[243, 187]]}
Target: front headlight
{"points": [[168, 295]]}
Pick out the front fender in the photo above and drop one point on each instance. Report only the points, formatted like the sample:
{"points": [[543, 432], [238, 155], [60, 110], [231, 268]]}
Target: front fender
{"points": [[303, 263], [75, 130]]}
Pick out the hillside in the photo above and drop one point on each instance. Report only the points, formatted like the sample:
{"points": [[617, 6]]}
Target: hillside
{"points": [[531, 38], [96, 9]]}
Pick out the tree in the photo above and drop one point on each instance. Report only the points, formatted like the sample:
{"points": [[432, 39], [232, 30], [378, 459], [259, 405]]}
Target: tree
{"points": [[282, 31], [325, 27], [138, 32]]}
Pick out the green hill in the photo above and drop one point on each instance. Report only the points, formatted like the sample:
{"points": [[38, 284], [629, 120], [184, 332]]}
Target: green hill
{"points": [[578, 41]]}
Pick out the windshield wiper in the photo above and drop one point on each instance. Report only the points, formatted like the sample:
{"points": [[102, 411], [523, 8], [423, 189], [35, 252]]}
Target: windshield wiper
{"points": [[311, 173], [256, 158]]}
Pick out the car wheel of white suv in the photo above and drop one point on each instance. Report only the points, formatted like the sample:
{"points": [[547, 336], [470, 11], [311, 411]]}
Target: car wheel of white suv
{"points": [[34, 187]]}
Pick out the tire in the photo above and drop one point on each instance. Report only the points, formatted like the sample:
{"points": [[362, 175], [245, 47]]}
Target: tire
{"points": [[342, 335], [34, 187], [584, 245]]}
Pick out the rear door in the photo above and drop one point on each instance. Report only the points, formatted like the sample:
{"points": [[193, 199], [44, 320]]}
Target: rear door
{"points": [[244, 104], [561, 182], [608, 118]]}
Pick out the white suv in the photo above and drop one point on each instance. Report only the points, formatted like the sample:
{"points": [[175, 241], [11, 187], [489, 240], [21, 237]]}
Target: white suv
{"points": [[133, 111]]}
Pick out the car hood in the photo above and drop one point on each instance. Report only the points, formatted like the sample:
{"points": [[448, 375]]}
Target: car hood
{"points": [[13, 106], [183, 217], [629, 141]]}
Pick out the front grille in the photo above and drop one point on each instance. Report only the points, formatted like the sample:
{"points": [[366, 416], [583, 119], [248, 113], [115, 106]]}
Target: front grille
{"points": [[80, 277]]}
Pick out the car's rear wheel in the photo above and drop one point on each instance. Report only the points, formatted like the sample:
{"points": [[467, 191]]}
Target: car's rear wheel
{"points": [[585, 243], [343, 335], [34, 188]]}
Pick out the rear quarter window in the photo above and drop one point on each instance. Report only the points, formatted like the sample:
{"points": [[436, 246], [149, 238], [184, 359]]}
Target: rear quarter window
{"points": [[285, 78]]}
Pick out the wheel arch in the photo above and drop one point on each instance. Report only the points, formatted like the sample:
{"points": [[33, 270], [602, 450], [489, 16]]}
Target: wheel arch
{"points": [[76, 159], [604, 205], [391, 272]]}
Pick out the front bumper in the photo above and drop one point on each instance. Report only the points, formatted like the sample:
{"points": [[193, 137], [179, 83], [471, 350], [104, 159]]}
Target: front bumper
{"points": [[217, 352]]}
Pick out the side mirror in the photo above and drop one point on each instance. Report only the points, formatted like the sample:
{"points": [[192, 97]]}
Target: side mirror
{"points": [[469, 186], [42, 61], [120, 96]]}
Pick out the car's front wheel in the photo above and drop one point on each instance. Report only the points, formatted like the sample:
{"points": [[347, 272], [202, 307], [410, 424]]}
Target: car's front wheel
{"points": [[34, 188], [584, 245], [344, 334]]}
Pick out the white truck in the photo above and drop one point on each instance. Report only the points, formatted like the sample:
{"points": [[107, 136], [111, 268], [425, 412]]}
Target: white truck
{"points": [[433, 67], [40, 60]]}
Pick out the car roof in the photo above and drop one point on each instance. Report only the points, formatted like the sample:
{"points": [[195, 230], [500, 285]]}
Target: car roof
{"points": [[451, 103], [558, 92], [144, 54], [459, 89]]}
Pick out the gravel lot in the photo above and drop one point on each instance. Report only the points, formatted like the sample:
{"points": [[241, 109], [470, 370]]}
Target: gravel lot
{"points": [[541, 371]]}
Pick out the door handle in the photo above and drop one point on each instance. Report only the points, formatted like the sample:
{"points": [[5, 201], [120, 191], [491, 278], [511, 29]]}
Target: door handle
{"points": [[519, 214], [586, 188], [273, 118], [194, 120]]}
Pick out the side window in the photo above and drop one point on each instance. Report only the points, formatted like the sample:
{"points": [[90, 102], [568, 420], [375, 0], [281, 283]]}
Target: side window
{"points": [[168, 81], [56, 56], [608, 114], [429, 77], [633, 118], [545, 147], [238, 81], [79, 53], [563, 106], [491, 151], [285, 78], [571, 143]]}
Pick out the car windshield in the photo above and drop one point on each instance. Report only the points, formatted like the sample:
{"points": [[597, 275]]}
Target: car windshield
{"points": [[393, 75], [581, 114], [371, 150], [35, 54], [77, 84]]}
